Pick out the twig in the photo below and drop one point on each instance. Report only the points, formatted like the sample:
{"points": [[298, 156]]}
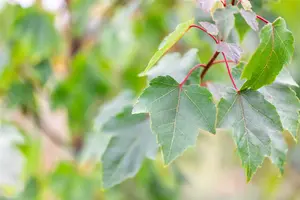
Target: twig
{"points": [[205, 31], [190, 72], [229, 73]]}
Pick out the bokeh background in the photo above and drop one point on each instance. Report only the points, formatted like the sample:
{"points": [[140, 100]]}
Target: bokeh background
{"points": [[62, 60]]}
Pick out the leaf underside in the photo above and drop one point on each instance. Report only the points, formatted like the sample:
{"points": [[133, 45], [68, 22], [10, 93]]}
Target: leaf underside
{"points": [[131, 142]]}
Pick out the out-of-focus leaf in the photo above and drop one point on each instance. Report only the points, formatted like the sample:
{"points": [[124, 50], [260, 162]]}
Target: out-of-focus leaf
{"points": [[80, 91], [217, 90], [232, 51], [131, 142], [236, 73], [69, 184], [31, 190], [257, 129], [35, 36], [80, 16], [275, 51], [177, 114], [206, 5], [43, 71], [168, 42], [224, 18], [241, 27], [7, 72], [284, 77], [210, 28], [21, 94], [250, 18], [8, 15], [112, 108], [11, 159], [174, 65]]}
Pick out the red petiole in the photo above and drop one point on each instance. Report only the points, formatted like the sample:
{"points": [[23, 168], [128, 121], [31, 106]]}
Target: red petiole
{"points": [[204, 66], [262, 19], [205, 31], [216, 54], [189, 74], [230, 75]]}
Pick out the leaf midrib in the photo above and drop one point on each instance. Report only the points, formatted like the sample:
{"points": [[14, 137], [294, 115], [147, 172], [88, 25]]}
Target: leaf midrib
{"points": [[175, 124], [269, 57]]}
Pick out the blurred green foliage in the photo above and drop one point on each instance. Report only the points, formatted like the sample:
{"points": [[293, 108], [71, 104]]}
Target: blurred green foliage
{"points": [[76, 59]]}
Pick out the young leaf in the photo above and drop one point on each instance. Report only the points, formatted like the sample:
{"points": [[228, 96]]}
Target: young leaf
{"points": [[224, 18], [210, 28], [232, 51], [131, 142], [246, 4], [174, 65], [287, 105], [96, 142], [250, 18], [275, 50], [257, 130], [206, 5], [177, 114], [169, 41]]}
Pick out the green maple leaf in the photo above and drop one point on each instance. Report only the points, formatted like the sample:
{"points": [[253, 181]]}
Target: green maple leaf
{"points": [[275, 50], [257, 129], [131, 142], [177, 113], [68, 182], [281, 96]]}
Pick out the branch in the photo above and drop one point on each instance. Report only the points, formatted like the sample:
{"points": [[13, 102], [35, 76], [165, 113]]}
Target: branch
{"points": [[262, 19], [49, 133], [205, 31], [229, 73], [204, 66], [209, 64], [189, 74]]}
